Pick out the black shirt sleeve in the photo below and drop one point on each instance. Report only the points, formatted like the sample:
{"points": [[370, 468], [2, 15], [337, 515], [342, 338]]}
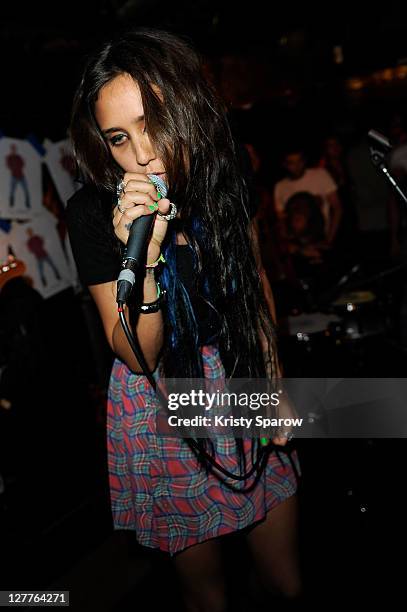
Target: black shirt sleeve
{"points": [[95, 249]]}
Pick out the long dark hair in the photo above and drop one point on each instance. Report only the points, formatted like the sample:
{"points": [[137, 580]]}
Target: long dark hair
{"points": [[191, 134]]}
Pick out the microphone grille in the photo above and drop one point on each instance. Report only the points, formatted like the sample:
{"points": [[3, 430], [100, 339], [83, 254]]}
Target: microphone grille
{"points": [[159, 184]]}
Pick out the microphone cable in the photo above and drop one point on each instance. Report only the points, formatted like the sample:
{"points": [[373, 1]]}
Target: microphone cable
{"points": [[263, 451]]}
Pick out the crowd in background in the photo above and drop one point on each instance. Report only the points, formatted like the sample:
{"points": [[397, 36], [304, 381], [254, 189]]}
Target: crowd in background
{"points": [[324, 211]]}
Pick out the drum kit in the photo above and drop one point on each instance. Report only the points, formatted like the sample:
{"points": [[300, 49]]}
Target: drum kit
{"points": [[343, 324]]}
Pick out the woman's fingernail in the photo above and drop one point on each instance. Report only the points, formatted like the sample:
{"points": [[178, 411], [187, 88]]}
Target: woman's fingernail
{"points": [[158, 195], [153, 206]]}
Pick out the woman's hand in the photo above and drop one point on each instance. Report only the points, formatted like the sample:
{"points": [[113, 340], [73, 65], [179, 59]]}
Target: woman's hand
{"points": [[140, 197], [285, 410]]}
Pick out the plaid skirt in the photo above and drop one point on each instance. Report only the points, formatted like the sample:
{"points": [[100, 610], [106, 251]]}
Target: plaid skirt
{"points": [[156, 487]]}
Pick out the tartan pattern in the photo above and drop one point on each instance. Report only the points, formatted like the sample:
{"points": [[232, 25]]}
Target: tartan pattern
{"points": [[156, 486]]}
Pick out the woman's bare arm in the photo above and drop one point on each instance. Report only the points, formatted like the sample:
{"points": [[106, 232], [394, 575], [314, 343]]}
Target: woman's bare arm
{"points": [[138, 198], [149, 328], [268, 293], [285, 407]]}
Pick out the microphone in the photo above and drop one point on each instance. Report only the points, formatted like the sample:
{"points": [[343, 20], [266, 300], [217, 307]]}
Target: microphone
{"points": [[380, 139], [136, 246]]}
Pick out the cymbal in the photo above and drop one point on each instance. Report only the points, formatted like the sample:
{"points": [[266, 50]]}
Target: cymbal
{"points": [[355, 297]]}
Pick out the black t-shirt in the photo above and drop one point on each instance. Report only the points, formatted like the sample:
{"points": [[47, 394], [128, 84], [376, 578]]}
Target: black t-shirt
{"points": [[98, 254], [94, 246]]}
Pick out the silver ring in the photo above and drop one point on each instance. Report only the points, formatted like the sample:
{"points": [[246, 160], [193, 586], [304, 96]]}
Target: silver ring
{"points": [[289, 435], [170, 215], [118, 206], [120, 188]]}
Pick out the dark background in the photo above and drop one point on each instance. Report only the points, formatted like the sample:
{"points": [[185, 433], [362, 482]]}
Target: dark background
{"points": [[55, 524]]}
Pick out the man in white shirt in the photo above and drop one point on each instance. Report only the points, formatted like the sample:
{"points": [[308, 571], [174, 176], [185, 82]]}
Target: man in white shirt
{"points": [[316, 181]]}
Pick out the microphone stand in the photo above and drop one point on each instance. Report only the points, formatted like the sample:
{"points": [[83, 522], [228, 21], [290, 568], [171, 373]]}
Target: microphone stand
{"points": [[379, 148]]}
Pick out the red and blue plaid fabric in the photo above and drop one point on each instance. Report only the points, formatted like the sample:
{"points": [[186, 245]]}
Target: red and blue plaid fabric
{"points": [[156, 487]]}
